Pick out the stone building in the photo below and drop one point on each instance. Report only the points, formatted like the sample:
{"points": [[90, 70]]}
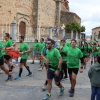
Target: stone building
{"points": [[96, 34], [34, 18]]}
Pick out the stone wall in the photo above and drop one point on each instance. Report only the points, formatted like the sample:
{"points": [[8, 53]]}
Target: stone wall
{"points": [[17, 10], [67, 17]]}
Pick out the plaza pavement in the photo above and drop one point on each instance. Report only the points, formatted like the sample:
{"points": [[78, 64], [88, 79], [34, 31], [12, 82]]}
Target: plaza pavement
{"points": [[29, 88]]}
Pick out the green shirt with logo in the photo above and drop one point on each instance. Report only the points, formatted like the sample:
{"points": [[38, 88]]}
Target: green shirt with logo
{"points": [[73, 56], [53, 58], [63, 53], [41, 45], [35, 46], [24, 47]]}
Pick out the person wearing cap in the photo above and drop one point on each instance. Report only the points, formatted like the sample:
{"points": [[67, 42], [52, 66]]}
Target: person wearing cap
{"points": [[54, 66]]}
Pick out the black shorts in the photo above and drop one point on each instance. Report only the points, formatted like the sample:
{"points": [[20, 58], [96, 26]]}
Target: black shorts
{"points": [[51, 75], [23, 60], [1, 61], [74, 70], [7, 57]]}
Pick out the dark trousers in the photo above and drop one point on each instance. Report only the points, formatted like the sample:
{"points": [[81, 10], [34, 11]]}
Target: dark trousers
{"points": [[64, 70], [95, 93]]}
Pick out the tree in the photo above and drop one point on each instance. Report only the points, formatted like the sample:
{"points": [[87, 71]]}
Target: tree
{"points": [[73, 26], [82, 28]]}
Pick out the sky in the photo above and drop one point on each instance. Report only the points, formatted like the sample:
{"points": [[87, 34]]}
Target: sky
{"points": [[88, 11]]}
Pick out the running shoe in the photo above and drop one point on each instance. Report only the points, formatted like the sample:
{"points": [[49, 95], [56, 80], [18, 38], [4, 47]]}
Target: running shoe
{"points": [[47, 97], [30, 74], [10, 78], [71, 93], [17, 78], [44, 88], [61, 91]]}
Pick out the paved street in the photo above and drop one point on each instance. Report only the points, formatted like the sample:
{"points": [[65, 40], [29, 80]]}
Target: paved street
{"points": [[29, 88]]}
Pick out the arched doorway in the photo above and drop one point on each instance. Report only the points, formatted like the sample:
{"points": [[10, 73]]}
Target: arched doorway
{"points": [[22, 28]]}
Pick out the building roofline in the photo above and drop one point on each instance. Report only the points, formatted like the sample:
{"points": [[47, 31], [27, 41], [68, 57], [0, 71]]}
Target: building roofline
{"points": [[95, 27]]}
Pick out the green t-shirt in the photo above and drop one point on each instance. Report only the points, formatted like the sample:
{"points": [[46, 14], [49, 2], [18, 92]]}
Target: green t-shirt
{"points": [[7, 44], [73, 56], [85, 50], [90, 48], [1, 53], [24, 47], [53, 58], [41, 45], [68, 44], [63, 53], [96, 52], [35, 46]]}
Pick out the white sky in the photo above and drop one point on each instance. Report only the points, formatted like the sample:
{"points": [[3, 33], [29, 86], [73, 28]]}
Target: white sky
{"points": [[88, 11]]}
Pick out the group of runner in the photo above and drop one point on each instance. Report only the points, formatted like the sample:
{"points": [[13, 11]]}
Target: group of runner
{"points": [[5, 58], [57, 59]]}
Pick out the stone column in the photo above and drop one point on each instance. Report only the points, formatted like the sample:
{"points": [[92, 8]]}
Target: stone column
{"points": [[72, 34], [58, 13], [13, 30], [50, 32], [63, 33]]}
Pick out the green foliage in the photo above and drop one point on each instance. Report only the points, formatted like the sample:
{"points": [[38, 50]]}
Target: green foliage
{"points": [[75, 27], [82, 28]]}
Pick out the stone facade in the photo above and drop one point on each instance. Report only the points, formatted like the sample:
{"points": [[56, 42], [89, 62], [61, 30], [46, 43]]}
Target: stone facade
{"points": [[34, 18], [18, 11], [96, 34]]}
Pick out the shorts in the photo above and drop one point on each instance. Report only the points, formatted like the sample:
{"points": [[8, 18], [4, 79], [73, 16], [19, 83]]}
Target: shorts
{"points": [[1, 61], [35, 53], [23, 60], [94, 55], [51, 75], [7, 57], [74, 70]]}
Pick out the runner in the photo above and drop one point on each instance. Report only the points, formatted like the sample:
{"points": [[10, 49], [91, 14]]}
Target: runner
{"points": [[10, 77], [95, 52], [55, 61], [73, 56], [64, 58], [35, 48], [24, 50], [41, 45], [85, 52], [7, 58]]}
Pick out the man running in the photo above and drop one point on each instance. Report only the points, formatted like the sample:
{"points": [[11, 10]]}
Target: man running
{"points": [[7, 44], [2, 64], [24, 49], [64, 58], [41, 45], [35, 48], [73, 56], [55, 61]]}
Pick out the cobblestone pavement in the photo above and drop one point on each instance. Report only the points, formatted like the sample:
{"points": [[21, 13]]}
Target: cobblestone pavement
{"points": [[29, 88]]}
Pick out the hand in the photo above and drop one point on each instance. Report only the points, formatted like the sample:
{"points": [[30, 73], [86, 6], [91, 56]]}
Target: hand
{"points": [[21, 53], [81, 70], [57, 73]]}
